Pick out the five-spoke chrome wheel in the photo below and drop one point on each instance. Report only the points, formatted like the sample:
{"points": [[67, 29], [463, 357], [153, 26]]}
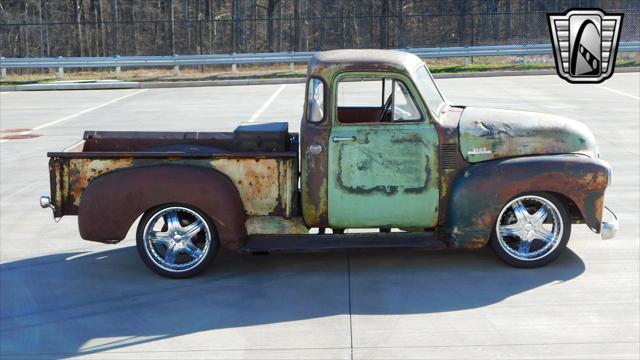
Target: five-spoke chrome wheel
{"points": [[531, 230], [176, 241]]}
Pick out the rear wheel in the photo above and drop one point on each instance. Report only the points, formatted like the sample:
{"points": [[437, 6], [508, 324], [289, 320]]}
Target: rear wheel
{"points": [[176, 241], [531, 230]]}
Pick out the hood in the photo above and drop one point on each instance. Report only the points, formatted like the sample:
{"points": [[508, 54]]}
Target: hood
{"points": [[487, 134]]}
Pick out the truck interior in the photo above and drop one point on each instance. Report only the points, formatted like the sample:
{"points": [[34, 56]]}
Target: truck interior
{"points": [[375, 100]]}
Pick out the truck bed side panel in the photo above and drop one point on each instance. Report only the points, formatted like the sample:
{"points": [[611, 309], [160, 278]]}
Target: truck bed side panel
{"points": [[266, 185]]}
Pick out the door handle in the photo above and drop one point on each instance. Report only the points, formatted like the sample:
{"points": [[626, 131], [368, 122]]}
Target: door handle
{"points": [[343, 138]]}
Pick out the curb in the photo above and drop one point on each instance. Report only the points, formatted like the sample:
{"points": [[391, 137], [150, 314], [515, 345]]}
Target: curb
{"points": [[78, 86], [239, 82], [204, 83]]}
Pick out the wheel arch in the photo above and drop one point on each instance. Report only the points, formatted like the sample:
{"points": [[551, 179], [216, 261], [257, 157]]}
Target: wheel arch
{"points": [[481, 190], [111, 203]]}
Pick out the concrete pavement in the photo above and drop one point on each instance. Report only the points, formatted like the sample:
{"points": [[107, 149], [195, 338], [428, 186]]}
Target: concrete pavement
{"points": [[61, 296]]}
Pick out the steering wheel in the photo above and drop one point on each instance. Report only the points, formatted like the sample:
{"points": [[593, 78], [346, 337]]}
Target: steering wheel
{"points": [[386, 108]]}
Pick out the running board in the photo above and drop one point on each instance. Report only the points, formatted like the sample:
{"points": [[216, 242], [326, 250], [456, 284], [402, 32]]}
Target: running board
{"points": [[331, 242]]}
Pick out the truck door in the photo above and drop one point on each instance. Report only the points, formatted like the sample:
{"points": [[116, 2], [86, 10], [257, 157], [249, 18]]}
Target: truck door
{"points": [[383, 163]]}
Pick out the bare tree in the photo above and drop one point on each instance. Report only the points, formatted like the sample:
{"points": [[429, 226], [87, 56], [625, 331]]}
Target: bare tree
{"points": [[384, 24], [114, 27]]}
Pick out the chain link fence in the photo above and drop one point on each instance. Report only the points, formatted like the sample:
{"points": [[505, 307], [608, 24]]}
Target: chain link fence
{"points": [[228, 35]]}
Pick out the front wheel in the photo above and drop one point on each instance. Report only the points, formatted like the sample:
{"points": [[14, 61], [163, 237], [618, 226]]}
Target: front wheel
{"points": [[531, 230], [176, 241]]}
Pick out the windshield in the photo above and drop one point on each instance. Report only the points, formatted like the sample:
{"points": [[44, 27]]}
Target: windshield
{"points": [[428, 89]]}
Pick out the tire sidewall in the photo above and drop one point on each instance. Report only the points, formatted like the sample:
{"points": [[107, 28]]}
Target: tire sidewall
{"points": [[142, 251], [553, 255]]}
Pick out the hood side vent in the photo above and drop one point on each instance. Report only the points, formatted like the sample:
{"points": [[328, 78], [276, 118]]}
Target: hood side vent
{"points": [[448, 156]]}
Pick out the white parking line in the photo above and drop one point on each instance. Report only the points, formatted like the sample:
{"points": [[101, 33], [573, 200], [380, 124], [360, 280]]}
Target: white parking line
{"points": [[618, 92], [69, 117], [266, 104]]}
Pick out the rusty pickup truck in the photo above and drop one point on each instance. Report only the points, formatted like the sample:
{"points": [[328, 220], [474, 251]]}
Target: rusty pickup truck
{"points": [[382, 160]]}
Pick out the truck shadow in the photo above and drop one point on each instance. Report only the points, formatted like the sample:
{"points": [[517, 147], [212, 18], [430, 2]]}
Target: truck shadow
{"points": [[83, 303]]}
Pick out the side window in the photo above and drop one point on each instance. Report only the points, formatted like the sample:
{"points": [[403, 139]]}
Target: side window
{"points": [[359, 92], [375, 100], [315, 101]]}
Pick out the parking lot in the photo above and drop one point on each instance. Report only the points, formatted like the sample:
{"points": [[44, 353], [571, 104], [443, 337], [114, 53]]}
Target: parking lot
{"points": [[61, 296]]}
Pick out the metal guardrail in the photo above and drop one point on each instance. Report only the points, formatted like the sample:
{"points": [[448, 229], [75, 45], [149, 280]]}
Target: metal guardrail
{"points": [[276, 57]]}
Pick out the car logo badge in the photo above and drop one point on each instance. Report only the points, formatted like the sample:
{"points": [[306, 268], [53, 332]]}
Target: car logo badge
{"points": [[585, 43], [479, 151]]}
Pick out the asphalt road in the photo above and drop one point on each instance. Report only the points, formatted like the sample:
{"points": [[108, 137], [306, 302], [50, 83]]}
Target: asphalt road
{"points": [[61, 296]]}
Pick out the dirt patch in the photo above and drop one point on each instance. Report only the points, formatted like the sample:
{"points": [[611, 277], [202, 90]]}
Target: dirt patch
{"points": [[19, 137], [11, 131]]}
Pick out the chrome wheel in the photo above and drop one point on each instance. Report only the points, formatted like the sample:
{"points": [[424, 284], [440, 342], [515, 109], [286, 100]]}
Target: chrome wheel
{"points": [[176, 239], [529, 228]]}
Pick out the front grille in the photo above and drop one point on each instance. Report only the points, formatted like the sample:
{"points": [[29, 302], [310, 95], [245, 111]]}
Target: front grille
{"points": [[448, 156]]}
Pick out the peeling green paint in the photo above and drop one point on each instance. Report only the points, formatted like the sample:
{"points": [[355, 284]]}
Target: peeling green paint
{"points": [[388, 176]]}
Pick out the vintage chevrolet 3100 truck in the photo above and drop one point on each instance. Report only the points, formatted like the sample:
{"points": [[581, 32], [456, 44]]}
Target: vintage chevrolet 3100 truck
{"points": [[379, 148]]}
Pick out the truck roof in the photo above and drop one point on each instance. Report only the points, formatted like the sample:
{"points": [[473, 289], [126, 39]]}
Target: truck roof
{"points": [[327, 63]]}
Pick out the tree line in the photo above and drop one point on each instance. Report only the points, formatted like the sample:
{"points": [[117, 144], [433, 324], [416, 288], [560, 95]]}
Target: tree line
{"points": [[45, 28]]}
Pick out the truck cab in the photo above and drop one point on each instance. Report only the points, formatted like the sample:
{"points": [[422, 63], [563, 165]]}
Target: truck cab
{"points": [[369, 149]]}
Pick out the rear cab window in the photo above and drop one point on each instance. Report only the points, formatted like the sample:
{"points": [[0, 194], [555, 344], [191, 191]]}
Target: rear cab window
{"points": [[315, 100]]}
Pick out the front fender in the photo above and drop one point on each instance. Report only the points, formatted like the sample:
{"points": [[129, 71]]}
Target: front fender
{"points": [[480, 191], [111, 203]]}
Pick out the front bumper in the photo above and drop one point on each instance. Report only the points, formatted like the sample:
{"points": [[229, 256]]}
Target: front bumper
{"points": [[609, 227]]}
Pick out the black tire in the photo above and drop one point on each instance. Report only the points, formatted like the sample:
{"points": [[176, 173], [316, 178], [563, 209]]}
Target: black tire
{"points": [[183, 260], [502, 244]]}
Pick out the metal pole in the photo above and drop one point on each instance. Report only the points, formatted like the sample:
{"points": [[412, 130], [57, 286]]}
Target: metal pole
{"points": [[176, 68], [118, 68], [234, 68], [292, 67], [60, 70], [3, 71]]}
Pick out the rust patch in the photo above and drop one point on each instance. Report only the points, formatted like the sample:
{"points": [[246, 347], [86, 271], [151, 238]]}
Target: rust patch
{"points": [[313, 181], [82, 171], [257, 181], [14, 130]]}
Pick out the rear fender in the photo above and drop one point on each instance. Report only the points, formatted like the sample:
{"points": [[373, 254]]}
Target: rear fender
{"points": [[112, 202], [480, 191]]}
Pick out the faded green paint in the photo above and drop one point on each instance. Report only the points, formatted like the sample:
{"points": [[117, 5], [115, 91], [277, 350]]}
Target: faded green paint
{"points": [[508, 133], [388, 176], [275, 225]]}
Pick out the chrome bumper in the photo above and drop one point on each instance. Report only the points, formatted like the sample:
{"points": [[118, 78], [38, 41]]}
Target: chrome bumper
{"points": [[609, 228]]}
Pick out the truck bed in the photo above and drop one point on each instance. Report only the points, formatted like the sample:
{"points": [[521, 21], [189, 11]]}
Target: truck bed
{"points": [[261, 160]]}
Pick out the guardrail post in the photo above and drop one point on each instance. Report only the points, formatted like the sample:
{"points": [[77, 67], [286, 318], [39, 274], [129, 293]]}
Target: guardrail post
{"points": [[234, 68], [118, 68], [3, 71], [60, 70], [176, 68], [292, 67]]}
